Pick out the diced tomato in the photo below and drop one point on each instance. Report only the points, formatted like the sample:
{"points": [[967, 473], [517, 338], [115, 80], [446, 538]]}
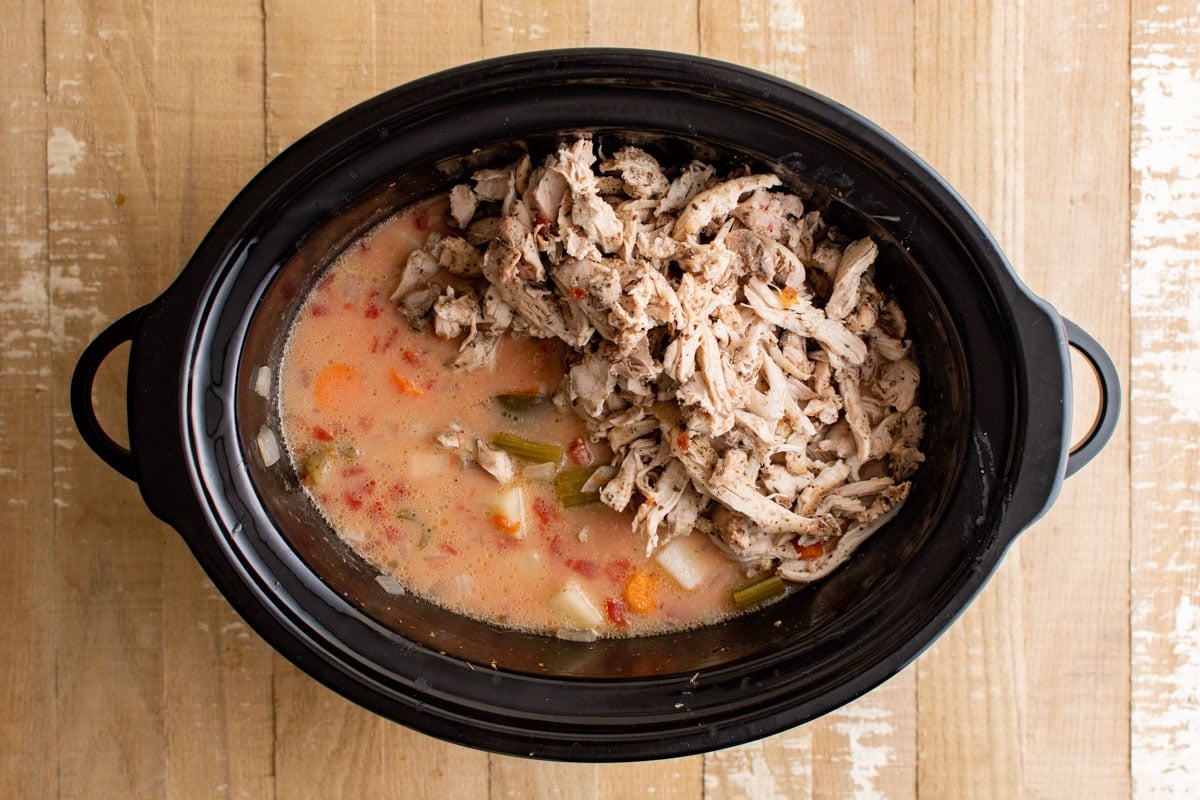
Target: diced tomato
{"points": [[410, 356], [390, 340], [318, 310], [449, 549], [354, 501], [578, 292], [420, 218], [372, 312], [682, 440], [617, 571], [544, 510], [616, 611], [587, 569], [579, 452], [321, 434], [506, 542]]}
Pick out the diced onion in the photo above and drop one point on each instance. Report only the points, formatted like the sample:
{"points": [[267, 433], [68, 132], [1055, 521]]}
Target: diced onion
{"points": [[262, 381], [596, 481], [389, 584], [268, 446], [572, 635], [543, 472]]}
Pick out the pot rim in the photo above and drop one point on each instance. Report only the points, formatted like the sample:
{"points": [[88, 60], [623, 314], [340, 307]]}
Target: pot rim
{"points": [[168, 355]]}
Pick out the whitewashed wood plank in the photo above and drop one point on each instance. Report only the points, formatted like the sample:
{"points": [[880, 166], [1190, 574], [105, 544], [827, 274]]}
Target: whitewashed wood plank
{"points": [[1165, 400]]}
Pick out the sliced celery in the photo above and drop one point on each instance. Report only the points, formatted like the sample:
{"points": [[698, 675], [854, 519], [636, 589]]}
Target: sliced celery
{"points": [[756, 593], [568, 485], [522, 402], [527, 449]]}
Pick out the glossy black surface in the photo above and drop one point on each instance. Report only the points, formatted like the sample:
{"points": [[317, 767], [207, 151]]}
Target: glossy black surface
{"points": [[994, 364]]}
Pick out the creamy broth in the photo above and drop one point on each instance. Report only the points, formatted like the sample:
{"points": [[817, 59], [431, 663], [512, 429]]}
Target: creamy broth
{"points": [[363, 397]]}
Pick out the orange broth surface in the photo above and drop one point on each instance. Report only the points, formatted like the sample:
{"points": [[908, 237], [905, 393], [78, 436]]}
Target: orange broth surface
{"points": [[367, 395]]}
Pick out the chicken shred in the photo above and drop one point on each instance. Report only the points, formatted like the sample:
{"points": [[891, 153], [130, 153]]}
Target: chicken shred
{"points": [[730, 348]]}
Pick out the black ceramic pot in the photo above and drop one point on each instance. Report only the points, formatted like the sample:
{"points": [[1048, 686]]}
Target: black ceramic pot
{"points": [[996, 385]]}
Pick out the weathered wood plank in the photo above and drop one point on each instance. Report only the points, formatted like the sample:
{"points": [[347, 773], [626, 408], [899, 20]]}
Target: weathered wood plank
{"points": [[516, 27], [101, 157], [209, 108], [666, 25], [771, 36], [968, 125], [1164, 408], [1075, 562], [28, 746]]}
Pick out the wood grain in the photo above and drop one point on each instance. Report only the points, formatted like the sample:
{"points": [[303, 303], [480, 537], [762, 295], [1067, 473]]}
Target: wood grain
{"points": [[1076, 560], [28, 574], [1164, 407], [1071, 126], [102, 158]]}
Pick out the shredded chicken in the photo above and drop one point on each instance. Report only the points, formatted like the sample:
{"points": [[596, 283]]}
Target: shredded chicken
{"points": [[730, 348]]}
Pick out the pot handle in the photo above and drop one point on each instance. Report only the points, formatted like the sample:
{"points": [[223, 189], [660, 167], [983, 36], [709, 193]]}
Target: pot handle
{"points": [[1110, 398], [116, 456]]}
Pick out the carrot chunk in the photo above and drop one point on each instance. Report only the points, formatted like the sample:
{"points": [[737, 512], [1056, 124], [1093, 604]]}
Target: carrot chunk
{"points": [[405, 386], [809, 551], [641, 592], [337, 386]]}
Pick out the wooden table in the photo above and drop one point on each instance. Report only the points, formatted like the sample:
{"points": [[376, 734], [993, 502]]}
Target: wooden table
{"points": [[1071, 126]]}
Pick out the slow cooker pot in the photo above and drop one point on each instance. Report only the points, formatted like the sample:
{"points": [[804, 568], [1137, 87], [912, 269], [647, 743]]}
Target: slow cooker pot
{"points": [[996, 385]]}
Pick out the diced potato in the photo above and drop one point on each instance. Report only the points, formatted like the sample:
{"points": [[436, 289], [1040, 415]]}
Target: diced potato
{"points": [[682, 560], [574, 604], [507, 511]]}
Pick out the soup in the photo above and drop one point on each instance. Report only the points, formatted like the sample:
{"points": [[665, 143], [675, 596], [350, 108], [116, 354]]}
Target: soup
{"points": [[468, 381]]}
